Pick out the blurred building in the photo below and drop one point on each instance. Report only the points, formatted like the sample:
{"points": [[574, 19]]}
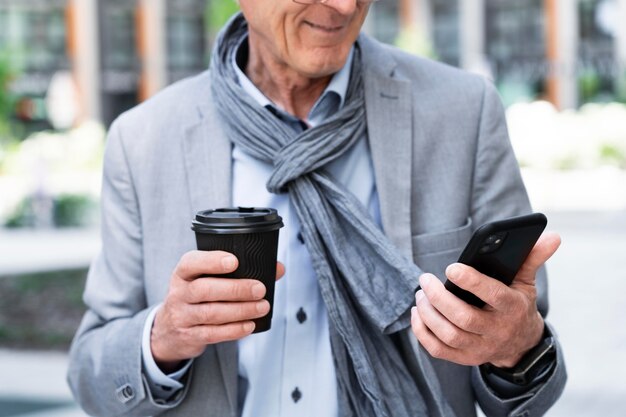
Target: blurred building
{"points": [[35, 32], [120, 52], [566, 51]]}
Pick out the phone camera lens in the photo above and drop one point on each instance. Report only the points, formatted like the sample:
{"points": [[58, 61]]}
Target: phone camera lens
{"points": [[492, 243], [491, 239]]}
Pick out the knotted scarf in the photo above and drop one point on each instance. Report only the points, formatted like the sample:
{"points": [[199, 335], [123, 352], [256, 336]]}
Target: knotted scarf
{"points": [[367, 286]]}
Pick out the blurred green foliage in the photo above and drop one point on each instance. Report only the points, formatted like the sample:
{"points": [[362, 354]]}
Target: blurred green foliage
{"points": [[6, 99], [413, 41], [588, 85], [613, 155], [6, 74], [621, 89], [218, 12], [567, 162], [66, 210], [24, 215], [7, 104], [73, 210]]}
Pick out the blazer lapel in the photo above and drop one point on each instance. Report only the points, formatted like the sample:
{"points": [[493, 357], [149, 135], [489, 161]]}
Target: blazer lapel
{"points": [[388, 103], [207, 154]]}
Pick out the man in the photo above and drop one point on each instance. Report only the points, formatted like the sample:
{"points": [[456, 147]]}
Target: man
{"points": [[350, 137]]}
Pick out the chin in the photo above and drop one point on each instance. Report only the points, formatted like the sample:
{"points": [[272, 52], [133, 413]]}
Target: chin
{"points": [[322, 65]]}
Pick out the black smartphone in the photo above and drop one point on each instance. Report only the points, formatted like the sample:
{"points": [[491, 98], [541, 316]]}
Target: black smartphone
{"points": [[498, 249]]}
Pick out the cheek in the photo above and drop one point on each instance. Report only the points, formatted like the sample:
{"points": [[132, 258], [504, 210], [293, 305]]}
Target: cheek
{"points": [[288, 38], [268, 20]]}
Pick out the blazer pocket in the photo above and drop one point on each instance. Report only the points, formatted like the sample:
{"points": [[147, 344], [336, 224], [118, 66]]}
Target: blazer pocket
{"points": [[433, 252]]}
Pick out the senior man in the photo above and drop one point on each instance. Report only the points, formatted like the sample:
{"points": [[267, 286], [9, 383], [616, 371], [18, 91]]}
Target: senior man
{"points": [[382, 164]]}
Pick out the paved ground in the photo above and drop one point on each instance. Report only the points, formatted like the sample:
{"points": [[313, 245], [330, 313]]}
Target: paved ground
{"points": [[588, 287], [59, 249], [33, 385], [588, 293]]}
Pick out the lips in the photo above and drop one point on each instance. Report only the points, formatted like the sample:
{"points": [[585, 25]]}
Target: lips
{"points": [[324, 28]]}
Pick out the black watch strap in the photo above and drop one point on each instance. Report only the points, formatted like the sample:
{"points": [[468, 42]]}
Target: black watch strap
{"points": [[533, 364]]}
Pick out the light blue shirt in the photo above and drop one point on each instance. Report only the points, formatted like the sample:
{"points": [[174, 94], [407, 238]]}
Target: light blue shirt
{"points": [[288, 370]]}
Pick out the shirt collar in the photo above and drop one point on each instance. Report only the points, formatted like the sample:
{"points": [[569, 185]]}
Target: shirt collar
{"points": [[340, 81], [326, 104]]}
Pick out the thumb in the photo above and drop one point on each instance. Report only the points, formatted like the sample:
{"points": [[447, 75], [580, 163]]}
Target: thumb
{"points": [[280, 270], [543, 250]]}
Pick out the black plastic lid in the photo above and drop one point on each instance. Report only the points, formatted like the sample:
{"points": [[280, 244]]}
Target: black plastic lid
{"points": [[235, 220]]}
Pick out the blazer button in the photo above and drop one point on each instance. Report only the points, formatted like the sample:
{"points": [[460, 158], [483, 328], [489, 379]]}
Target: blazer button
{"points": [[125, 393]]}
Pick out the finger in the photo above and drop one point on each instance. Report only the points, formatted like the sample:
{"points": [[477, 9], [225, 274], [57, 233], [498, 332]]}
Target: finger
{"points": [[432, 344], [280, 270], [440, 326], [436, 347], [203, 290], [210, 334], [227, 312], [197, 263], [490, 290], [458, 312], [543, 250]]}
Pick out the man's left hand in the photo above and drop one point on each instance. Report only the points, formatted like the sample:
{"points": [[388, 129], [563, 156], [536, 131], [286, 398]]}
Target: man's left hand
{"points": [[499, 333]]}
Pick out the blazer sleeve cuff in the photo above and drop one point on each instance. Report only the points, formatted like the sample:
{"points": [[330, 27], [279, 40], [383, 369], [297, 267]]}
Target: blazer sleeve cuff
{"points": [[162, 387], [534, 402]]}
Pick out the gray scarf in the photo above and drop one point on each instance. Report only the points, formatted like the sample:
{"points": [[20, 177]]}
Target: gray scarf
{"points": [[367, 286]]}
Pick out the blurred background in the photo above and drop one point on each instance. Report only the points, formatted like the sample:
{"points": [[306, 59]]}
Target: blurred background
{"points": [[69, 67]]}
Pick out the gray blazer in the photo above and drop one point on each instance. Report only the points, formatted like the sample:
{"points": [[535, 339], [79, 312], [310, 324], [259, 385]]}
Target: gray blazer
{"points": [[443, 166]]}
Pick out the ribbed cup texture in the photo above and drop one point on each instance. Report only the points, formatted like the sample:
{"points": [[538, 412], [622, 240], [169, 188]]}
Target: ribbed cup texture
{"points": [[256, 253]]}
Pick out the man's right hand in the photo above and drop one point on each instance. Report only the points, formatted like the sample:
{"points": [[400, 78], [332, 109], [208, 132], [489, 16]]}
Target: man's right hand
{"points": [[202, 311]]}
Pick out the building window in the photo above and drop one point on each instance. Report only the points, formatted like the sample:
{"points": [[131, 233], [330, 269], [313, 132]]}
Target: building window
{"points": [[33, 33], [596, 51], [383, 21], [118, 54], [117, 22], [516, 46], [186, 38], [445, 15]]}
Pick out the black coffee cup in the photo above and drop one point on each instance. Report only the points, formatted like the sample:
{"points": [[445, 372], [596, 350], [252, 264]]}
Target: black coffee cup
{"points": [[249, 233]]}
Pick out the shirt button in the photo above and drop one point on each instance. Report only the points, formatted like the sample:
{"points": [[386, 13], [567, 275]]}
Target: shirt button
{"points": [[300, 238], [301, 315], [296, 395]]}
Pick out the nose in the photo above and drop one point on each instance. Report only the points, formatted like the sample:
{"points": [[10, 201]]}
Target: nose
{"points": [[344, 7]]}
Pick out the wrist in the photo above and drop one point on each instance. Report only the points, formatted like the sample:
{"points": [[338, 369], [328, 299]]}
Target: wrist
{"points": [[166, 363], [536, 336], [533, 367]]}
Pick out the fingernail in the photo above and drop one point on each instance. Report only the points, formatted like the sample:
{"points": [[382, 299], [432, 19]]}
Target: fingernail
{"points": [[418, 296], [229, 262], [413, 312], [258, 290], [263, 307], [248, 327], [453, 271], [425, 280]]}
